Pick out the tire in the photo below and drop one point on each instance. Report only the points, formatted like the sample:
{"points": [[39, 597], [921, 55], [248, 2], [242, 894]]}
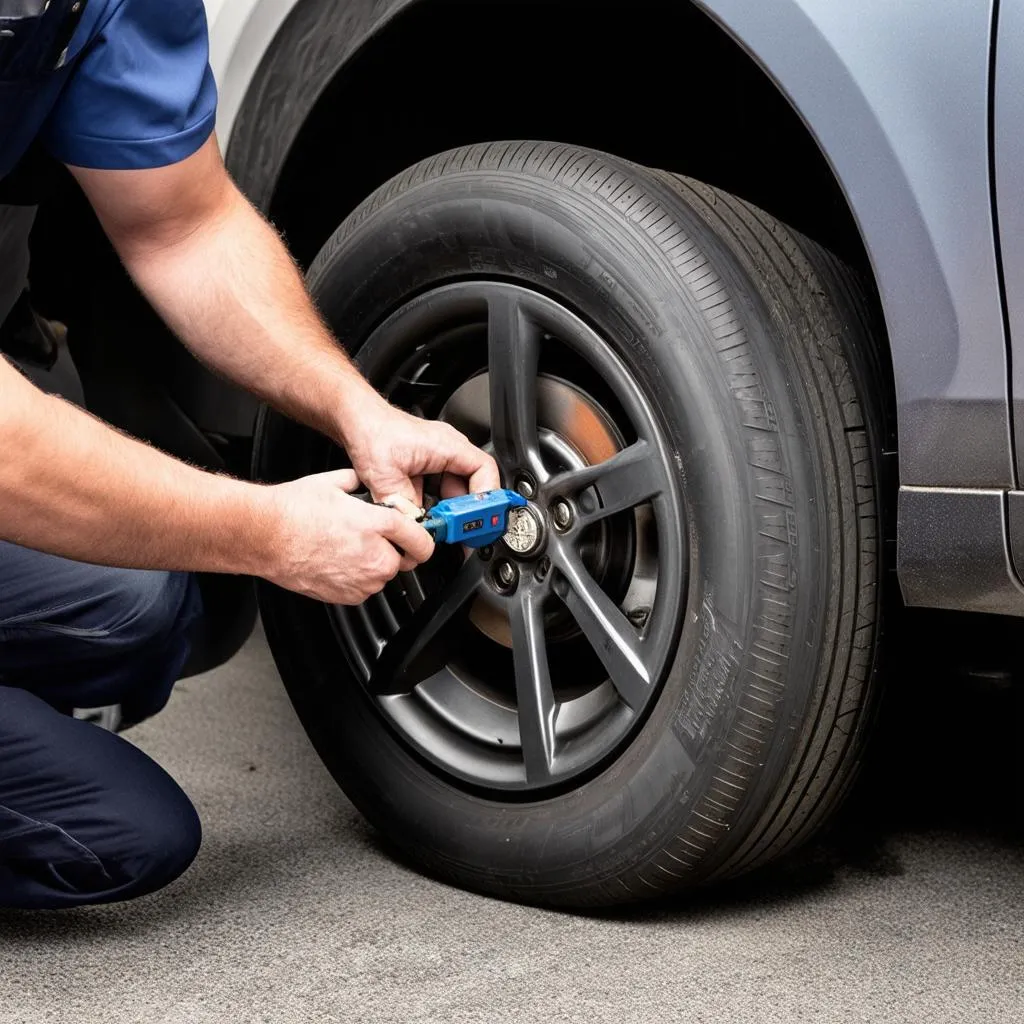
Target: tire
{"points": [[751, 347]]}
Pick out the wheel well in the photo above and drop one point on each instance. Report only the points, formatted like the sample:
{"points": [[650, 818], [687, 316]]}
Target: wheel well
{"points": [[660, 85]]}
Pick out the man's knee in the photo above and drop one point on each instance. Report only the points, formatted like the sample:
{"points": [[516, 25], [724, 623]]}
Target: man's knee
{"points": [[161, 846], [145, 840], [85, 816], [125, 842]]}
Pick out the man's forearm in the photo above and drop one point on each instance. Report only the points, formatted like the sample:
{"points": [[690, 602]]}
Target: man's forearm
{"points": [[221, 278], [231, 292], [75, 487]]}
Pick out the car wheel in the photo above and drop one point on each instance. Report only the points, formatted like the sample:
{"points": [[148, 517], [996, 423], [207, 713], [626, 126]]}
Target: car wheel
{"points": [[664, 677]]}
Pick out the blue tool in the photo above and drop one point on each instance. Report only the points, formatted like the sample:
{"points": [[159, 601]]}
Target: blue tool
{"points": [[474, 520]]}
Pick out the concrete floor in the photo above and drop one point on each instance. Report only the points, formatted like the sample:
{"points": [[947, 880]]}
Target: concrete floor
{"points": [[912, 909]]}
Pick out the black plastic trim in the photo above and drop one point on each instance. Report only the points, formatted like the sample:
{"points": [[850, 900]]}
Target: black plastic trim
{"points": [[960, 549]]}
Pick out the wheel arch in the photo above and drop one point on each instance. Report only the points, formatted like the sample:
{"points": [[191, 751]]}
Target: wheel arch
{"points": [[858, 179]]}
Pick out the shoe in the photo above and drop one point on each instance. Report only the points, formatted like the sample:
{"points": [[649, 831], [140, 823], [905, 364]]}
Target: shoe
{"points": [[108, 718]]}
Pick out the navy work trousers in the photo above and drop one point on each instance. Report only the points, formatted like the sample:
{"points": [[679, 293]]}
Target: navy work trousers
{"points": [[86, 817]]}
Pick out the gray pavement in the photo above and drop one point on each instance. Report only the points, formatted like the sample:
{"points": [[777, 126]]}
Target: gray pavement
{"points": [[913, 910]]}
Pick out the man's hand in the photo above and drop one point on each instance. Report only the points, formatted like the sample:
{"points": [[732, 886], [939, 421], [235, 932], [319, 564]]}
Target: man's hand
{"points": [[336, 548], [392, 451]]}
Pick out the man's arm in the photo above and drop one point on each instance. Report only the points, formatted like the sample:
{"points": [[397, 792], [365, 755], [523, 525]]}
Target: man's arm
{"points": [[222, 280], [71, 485]]}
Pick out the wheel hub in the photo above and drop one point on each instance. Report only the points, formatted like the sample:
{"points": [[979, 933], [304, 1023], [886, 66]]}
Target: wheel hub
{"points": [[574, 432]]}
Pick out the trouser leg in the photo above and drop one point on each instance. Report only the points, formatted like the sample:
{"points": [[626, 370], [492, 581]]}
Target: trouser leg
{"points": [[85, 816]]}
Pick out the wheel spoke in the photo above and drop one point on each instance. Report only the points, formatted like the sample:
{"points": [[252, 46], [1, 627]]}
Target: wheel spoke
{"points": [[533, 686], [629, 478], [513, 343], [423, 631], [608, 631]]}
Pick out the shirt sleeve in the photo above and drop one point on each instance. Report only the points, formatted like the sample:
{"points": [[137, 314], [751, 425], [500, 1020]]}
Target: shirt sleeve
{"points": [[141, 94]]}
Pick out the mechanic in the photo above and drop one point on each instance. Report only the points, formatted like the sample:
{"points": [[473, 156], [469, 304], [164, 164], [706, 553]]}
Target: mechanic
{"points": [[98, 532]]}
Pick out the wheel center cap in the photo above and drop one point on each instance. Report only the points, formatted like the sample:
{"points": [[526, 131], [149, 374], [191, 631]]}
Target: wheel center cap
{"points": [[523, 534]]}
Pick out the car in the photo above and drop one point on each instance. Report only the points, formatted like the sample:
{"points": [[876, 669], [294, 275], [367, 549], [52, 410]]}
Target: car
{"points": [[735, 294]]}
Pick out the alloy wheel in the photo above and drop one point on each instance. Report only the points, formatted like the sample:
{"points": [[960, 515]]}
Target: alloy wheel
{"points": [[527, 666]]}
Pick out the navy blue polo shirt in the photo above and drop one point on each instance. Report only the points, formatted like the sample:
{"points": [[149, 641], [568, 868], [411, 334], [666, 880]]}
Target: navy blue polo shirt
{"points": [[135, 90]]}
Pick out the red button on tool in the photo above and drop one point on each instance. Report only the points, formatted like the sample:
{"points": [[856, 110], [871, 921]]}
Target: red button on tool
{"points": [[495, 520]]}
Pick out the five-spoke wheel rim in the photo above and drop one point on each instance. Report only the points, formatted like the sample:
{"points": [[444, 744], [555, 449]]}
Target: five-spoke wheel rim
{"points": [[528, 666]]}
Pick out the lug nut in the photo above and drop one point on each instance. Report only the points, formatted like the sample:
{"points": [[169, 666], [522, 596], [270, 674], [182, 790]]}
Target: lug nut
{"points": [[524, 485], [505, 573], [561, 513]]}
